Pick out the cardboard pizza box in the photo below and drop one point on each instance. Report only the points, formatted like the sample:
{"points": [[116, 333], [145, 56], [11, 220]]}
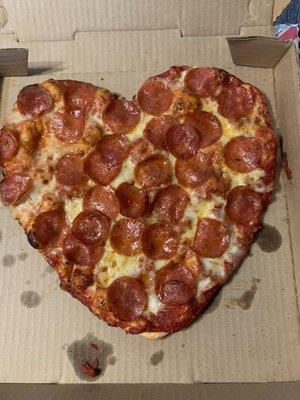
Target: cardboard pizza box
{"points": [[247, 344]]}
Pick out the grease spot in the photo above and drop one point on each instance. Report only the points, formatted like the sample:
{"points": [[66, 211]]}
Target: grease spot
{"points": [[112, 360], [246, 299], [8, 260], [215, 303], [269, 239], [30, 299], [156, 358], [182, 345], [89, 357], [28, 282], [22, 256]]}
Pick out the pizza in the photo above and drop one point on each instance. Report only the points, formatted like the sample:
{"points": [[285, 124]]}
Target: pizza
{"points": [[144, 207]]}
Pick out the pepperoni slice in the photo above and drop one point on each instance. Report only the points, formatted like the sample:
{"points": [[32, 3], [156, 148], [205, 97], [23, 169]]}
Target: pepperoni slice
{"points": [[170, 202], [132, 200], [34, 100], [67, 126], [14, 187], [102, 98], [114, 149], [242, 154], [211, 238], [102, 199], [48, 226], [182, 141], [99, 170], [152, 171], [155, 97], [91, 226], [126, 298], [69, 171], [243, 205], [202, 82], [9, 145], [160, 241], [79, 95], [207, 125], [235, 102], [155, 130], [174, 284], [194, 171], [126, 235], [80, 253], [121, 116]]}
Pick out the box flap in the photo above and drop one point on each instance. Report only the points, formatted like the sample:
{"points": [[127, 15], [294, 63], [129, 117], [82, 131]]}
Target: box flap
{"points": [[192, 17], [257, 51], [13, 62]]}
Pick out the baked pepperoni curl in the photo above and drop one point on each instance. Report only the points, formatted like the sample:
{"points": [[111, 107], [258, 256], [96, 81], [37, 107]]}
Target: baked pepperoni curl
{"points": [[203, 82], [67, 125], [102, 199], [126, 236], [114, 149], [243, 205], [155, 130], [91, 227], [211, 239], [160, 241], [152, 171], [48, 227], [79, 253], [79, 95], [235, 101], [121, 116], [126, 298], [14, 188], [155, 97], [207, 125], [242, 154], [100, 170], [69, 171], [34, 100], [170, 203], [182, 140], [132, 200], [194, 171], [174, 284], [9, 144]]}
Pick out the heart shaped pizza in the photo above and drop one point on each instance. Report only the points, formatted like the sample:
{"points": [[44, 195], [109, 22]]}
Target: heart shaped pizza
{"points": [[146, 207]]}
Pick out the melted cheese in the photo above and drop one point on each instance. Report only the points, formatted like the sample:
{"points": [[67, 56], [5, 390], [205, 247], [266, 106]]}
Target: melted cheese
{"points": [[73, 208], [125, 175], [114, 265]]}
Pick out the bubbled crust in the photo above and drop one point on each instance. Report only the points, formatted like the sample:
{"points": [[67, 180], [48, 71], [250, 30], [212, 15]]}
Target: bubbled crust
{"points": [[73, 118]]}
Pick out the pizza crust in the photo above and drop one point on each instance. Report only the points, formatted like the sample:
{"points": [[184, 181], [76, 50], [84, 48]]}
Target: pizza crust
{"points": [[154, 335]]}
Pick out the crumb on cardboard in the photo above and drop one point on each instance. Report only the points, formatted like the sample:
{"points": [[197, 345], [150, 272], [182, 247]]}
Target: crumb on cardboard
{"points": [[91, 370]]}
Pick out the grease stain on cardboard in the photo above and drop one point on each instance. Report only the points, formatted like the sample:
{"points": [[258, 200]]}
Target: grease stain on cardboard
{"points": [[8, 260], [269, 239], [22, 256], [90, 357], [30, 299], [157, 358], [246, 299]]}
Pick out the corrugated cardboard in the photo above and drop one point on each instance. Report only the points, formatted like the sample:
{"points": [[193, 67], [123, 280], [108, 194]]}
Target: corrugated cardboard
{"points": [[118, 44]]}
